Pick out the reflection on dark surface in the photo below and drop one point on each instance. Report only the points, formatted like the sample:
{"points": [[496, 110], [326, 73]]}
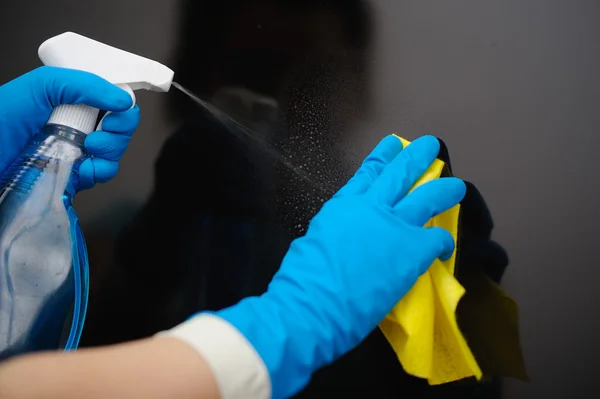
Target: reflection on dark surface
{"points": [[223, 211]]}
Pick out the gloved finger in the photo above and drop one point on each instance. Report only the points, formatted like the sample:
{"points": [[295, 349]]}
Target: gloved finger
{"points": [[112, 142], [86, 175], [122, 122], [403, 172], [104, 170], [96, 170], [431, 199], [371, 168], [439, 243], [69, 86], [110, 146]]}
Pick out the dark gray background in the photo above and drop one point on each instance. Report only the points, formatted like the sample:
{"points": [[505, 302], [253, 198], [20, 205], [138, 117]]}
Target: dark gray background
{"points": [[512, 87]]}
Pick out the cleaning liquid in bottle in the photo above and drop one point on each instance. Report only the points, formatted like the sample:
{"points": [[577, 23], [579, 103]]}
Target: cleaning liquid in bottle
{"points": [[44, 272]]}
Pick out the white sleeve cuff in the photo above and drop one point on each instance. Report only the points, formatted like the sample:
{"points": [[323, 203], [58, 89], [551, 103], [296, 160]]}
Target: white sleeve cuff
{"points": [[238, 369]]}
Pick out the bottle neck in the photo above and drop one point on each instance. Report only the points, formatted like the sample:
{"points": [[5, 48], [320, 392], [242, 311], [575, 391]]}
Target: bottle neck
{"points": [[65, 145], [69, 134], [51, 156]]}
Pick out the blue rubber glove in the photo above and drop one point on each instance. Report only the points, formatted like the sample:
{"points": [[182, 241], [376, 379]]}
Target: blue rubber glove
{"points": [[361, 254], [27, 102]]}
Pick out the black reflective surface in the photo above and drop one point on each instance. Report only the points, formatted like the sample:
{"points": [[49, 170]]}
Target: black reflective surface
{"points": [[511, 86], [224, 209]]}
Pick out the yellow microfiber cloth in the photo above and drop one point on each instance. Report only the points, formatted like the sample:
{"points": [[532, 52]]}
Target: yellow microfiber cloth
{"points": [[422, 328], [428, 327]]}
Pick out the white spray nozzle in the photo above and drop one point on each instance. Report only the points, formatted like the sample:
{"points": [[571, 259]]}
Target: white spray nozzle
{"points": [[127, 70]]}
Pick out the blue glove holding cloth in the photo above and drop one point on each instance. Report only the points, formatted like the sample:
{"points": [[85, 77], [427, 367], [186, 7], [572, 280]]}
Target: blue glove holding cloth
{"points": [[361, 254]]}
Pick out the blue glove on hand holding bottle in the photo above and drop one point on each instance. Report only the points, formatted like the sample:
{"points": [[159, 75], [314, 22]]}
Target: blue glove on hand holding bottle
{"points": [[27, 102]]}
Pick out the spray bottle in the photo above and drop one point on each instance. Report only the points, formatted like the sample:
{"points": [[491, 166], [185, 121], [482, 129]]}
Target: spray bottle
{"points": [[43, 256]]}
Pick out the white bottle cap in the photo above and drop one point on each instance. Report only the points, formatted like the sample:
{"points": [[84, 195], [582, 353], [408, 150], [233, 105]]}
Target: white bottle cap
{"points": [[79, 117]]}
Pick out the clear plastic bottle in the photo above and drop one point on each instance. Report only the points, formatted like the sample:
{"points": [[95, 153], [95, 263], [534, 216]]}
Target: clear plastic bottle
{"points": [[43, 256]]}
